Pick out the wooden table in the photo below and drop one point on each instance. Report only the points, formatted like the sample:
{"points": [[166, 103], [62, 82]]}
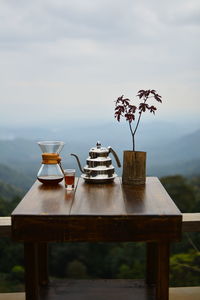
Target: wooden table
{"points": [[97, 213]]}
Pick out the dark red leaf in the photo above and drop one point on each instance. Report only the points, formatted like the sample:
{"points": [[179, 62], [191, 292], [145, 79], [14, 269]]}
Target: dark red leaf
{"points": [[147, 92], [119, 99], [141, 93], [129, 117], [120, 108], [117, 116], [132, 109], [143, 107], [152, 109], [153, 91], [158, 98], [126, 101]]}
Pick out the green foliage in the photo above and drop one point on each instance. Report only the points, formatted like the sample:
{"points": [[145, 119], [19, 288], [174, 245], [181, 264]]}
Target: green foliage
{"points": [[125, 254], [62, 254], [9, 198], [11, 254], [76, 269], [8, 191], [187, 242], [17, 273], [8, 286], [195, 182], [17, 179], [181, 191], [133, 271], [7, 207], [185, 269], [101, 260]]}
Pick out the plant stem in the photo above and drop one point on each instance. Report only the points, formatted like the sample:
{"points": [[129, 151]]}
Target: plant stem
{"points": [[133, 136], [136, 127]]}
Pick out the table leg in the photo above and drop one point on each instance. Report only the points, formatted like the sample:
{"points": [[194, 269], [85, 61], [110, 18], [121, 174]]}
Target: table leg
{"points": [[151, 262], [31, 271], [43, 263], [162, 286]]}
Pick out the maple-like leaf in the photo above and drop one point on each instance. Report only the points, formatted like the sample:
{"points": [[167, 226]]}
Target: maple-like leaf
{"points": [[152, 109], [119, 99], [132, 109], [129, 117], [117, 116], [120, 108], [143, 107], [141, 93], [158, 98]]}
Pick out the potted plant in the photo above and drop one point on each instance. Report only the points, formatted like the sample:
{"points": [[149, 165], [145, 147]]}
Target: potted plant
{"points": [[134, 162]]}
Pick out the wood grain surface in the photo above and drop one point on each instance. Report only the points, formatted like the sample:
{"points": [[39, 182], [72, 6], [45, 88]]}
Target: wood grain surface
{"points": [[151, 199], [98, 199], [97, 212], [46, 200]]}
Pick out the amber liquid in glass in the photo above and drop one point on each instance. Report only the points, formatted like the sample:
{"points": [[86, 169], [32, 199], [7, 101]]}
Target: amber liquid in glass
{"points": [[69, 180]]}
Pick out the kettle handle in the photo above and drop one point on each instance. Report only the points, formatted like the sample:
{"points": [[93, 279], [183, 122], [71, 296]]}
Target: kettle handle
{"points": [[115, 156]]}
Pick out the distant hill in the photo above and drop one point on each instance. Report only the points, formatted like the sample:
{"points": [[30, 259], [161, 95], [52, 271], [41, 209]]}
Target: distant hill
{"points": [[10, 176], [182, 149], [187, 168], [10, 196], [8, 191], [23, 157], [188, 147], [169, 151], [181, 156]]}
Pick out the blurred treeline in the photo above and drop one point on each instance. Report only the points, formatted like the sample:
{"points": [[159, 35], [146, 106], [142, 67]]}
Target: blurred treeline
{"points": [[106, 260]]}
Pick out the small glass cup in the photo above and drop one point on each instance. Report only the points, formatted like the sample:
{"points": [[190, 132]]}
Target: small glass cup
{"points": [[69, 178]]}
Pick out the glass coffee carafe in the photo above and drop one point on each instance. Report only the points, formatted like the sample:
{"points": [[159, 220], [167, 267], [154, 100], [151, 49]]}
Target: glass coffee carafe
{"points": [[51, 171]]}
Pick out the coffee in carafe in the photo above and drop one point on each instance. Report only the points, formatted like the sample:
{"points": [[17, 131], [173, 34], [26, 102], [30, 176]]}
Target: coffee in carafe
{"points": [[50, 171]]}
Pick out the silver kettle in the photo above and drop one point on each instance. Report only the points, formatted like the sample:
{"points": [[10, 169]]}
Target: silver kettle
{"points": [[99, 168]]}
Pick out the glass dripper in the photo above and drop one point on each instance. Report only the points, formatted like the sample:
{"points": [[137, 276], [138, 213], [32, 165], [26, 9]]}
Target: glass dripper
{"points": [[51, 170]]}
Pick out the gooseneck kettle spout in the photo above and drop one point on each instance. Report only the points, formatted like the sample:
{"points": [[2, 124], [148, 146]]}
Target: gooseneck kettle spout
{"points": [[78, 161]]}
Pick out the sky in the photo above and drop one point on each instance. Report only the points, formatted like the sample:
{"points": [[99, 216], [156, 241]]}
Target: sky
{"points": [[69, 60]]}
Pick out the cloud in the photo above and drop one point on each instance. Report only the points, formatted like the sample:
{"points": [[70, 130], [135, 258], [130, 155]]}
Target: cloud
{"points": [[186, 14], [113, 21], [97, 47]]}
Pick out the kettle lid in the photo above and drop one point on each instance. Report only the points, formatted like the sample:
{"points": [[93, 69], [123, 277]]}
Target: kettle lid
{"points": [[99, 149]]}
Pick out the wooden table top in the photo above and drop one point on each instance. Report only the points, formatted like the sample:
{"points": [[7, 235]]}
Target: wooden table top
{"points": [[91, 207]]}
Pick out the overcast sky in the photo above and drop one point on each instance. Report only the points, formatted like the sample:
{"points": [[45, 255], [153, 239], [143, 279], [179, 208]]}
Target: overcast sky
{"points": [[63, 59]]}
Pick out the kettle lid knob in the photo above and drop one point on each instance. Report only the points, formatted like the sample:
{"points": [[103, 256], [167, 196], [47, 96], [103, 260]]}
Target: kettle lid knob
{"points": [[98, 145]]}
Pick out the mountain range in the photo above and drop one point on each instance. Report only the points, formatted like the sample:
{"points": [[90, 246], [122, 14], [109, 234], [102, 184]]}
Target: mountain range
{"points": [[169, 149]]}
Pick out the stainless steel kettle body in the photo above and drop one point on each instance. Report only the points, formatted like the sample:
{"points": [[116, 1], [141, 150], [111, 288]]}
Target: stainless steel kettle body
{"points": [[99, 168]]}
